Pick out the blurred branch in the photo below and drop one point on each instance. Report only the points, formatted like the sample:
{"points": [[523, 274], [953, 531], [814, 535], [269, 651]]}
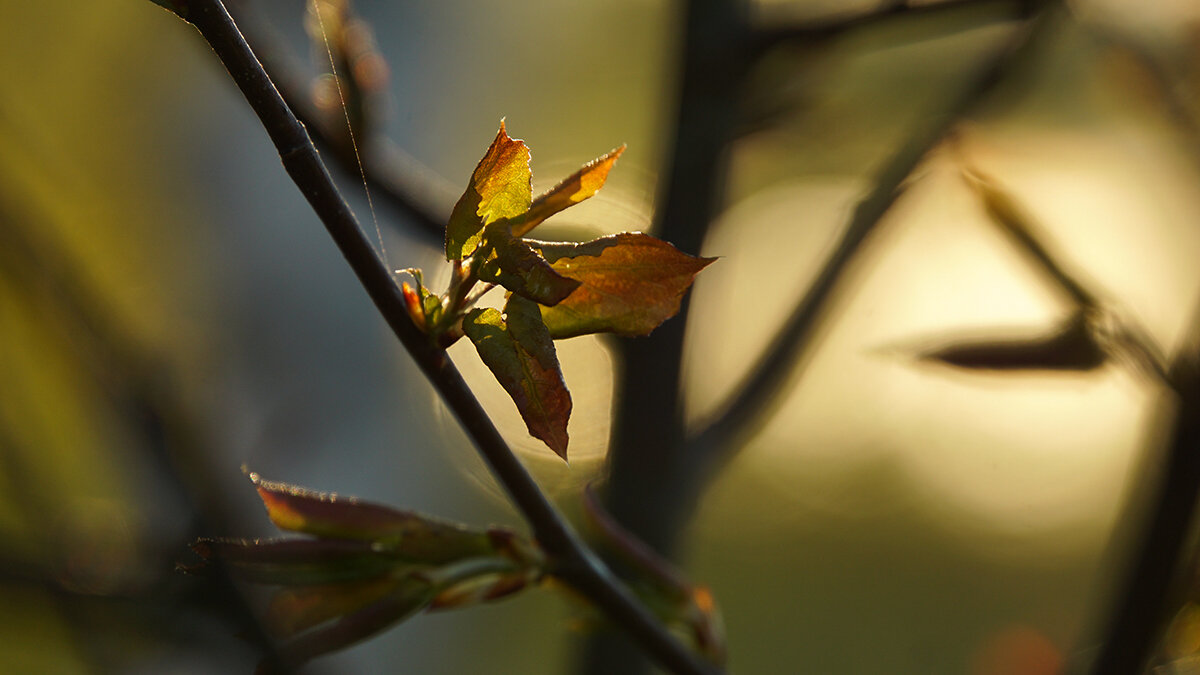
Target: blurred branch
{"points": [[753, 397], [1184, 114], [1154, 574], [1114, 331], [136, 384], [574, 563], [391, 175], [823, 30], [655, 473]]}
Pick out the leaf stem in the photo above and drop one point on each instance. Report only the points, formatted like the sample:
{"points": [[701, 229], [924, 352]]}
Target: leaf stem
{"points": [[574, 562]]}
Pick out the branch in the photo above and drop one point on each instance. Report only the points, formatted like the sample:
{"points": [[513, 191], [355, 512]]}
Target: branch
{"points": [[137, 386], [1154, 573], [753, 397], [1183, 113], [1118, 334], [823, 30], [391, 175], [575, 563]]}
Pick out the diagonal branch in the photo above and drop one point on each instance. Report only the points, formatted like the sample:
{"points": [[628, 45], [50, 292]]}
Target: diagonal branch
{"points": [[753, 397], [575, 563], [1118, 334], [396, 178], [823, 30], [1154, 573]]}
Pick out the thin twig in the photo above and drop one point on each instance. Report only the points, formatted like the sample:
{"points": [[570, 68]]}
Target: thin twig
{"points": [[574, 562], [752, 398], [1115, 331], [391, 175], [822, 30]]}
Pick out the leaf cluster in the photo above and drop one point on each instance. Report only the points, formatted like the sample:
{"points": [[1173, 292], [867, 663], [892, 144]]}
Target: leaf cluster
{"points": [[362, 567], [626, 284]]}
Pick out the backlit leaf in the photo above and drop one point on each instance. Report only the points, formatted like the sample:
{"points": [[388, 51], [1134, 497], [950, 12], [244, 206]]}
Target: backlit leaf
{"points": [[631, 283], [522, 270], [1073, 348], [500, 187], [519, 351], [402, 533], [577, 187]]}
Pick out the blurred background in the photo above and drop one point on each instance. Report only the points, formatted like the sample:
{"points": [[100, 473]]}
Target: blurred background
{"points": [[171, 312]]}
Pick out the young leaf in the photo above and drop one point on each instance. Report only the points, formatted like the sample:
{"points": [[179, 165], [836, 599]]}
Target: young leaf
{"points": [[478, 580], [631, 283], [519, 351], [500, 187], [522, 270], [575, 188], [294, 610], [298, 562], [1072, 348], [407, 599], [404, 534]]}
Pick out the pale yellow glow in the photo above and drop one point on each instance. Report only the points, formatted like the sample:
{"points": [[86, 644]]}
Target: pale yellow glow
{"points": [[1039, 458]]}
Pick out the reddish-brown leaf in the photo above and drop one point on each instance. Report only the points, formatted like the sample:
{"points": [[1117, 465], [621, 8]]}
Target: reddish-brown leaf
{"points": [[409, 598], [294, 610], [404, 534], [519, 351], [631, 283]]}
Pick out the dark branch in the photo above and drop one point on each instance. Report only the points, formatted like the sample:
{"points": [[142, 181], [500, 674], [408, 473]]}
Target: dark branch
{"points": [[1154, 575], [392, 176], [1116, 332], [823, 30], [753, 397], [575, 563]]}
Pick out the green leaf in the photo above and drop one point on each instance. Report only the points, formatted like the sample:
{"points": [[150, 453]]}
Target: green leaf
{"points": [[298, 562], [500, 187], [522, 270], [631, 283], [405, 534], [577, 187], [519, 351]]}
